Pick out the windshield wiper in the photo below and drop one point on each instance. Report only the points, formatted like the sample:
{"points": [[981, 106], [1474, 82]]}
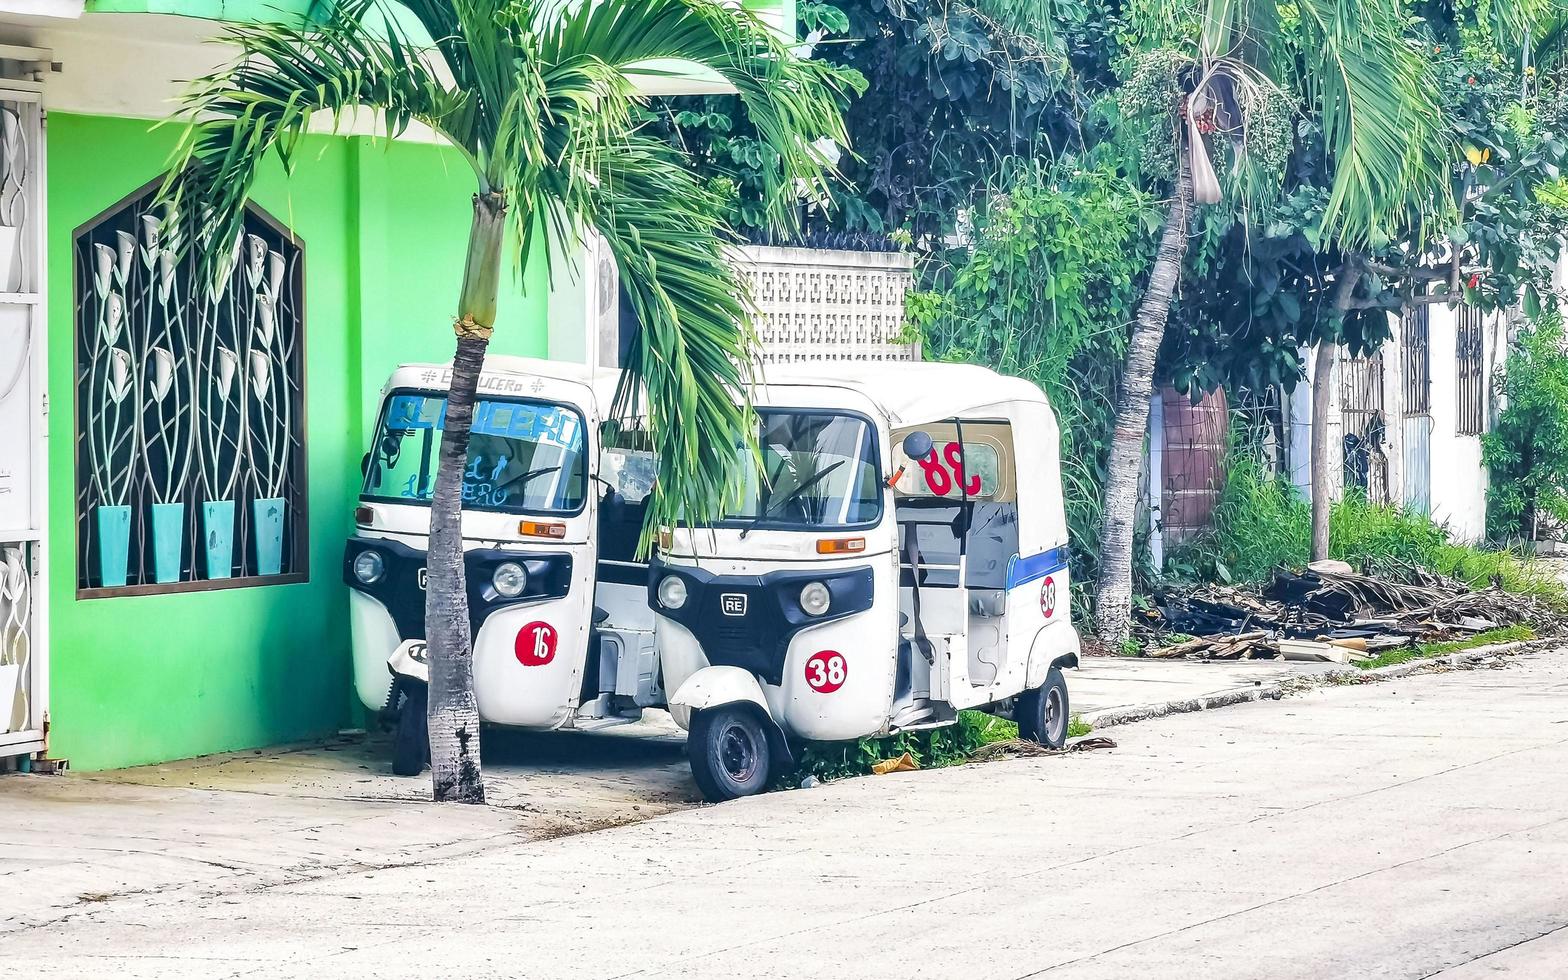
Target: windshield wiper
{"points": [[522, 478], [794, 495]]}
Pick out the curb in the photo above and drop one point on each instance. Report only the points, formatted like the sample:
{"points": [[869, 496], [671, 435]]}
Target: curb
{"points": [[1126, 716], [1276, 690]]}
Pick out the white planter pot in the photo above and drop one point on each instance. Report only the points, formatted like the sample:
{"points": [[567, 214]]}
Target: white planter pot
{"points": [[10, 686]]}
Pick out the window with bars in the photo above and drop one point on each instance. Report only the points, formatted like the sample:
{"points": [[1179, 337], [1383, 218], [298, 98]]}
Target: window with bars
{"points": [[1469, 373], [1362, 416], [190, 455], [1417, 361]]}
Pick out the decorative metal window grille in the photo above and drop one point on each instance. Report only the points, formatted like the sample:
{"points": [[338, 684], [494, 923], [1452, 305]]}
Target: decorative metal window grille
{"points": [[1416, 353], [1470, 373], [1362, 416], [16, 645], [189, 409]]}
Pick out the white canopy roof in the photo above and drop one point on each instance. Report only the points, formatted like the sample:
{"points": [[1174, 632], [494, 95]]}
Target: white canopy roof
{"points": [[914, 392]]}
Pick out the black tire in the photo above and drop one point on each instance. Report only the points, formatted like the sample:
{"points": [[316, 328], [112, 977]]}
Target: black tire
{"points": [[411, 743], [729, 752], [1043, 712]]}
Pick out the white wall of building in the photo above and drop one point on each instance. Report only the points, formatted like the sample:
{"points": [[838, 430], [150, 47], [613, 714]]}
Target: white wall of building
{"points": [[1458, 481]]}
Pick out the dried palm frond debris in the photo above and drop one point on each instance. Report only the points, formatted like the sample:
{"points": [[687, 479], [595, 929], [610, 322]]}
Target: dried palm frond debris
{"points": [[1330, 612]]}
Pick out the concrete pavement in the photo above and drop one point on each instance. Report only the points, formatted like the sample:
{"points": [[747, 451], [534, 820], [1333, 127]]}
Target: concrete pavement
{"points": [[1414, 828], [265, 817]]}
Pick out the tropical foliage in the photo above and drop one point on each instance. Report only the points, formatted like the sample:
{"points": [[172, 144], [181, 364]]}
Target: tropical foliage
{"points": [[1045, 292]]}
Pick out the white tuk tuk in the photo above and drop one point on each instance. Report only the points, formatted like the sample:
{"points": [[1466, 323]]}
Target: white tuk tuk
{"points": [[562, 634], [901, 556]]}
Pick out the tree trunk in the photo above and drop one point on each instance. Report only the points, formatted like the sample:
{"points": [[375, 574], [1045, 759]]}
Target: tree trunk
{"points": [[1113, 598], [1322, 395], [453, 711]]}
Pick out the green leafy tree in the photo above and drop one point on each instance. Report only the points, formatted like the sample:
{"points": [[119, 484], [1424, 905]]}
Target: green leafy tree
{"points": [[1282, 277], [1045, 292], [955, 89], [1526, 453], [1371, 95], [539, 98]]}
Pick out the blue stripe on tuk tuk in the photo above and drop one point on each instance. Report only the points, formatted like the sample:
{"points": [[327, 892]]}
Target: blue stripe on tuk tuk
{"points": [[1021, 570]]}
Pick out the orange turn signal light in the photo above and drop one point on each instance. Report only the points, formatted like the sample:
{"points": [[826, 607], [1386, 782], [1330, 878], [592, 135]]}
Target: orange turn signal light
{"points": [[364, 516], [541, 529], [665, 539], [840, 546]]}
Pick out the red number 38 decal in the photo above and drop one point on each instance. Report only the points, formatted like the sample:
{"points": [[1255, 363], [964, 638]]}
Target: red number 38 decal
{"points": [[939, 478], [826, 671]]}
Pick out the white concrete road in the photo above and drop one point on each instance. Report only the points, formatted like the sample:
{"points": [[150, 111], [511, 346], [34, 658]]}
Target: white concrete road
{"points": [[1415, 828]]}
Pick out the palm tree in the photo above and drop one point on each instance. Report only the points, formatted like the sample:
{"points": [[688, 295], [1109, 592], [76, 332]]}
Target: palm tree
{"points": [[538, 97], [1374, 96]]}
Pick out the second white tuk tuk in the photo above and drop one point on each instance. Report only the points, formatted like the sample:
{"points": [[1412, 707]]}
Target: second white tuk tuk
{"points": [[562, 635], [901, 556]]}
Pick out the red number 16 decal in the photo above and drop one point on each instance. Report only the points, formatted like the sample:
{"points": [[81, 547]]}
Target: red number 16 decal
{"points": [[938, 479]]}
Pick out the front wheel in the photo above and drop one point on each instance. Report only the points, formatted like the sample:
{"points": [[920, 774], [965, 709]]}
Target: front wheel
{"points": [[729, 752], [1042, 712], [411, 743]]}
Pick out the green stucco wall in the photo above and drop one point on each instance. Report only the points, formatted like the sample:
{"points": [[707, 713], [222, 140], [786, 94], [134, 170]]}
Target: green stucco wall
{"points": [[148, 678]]}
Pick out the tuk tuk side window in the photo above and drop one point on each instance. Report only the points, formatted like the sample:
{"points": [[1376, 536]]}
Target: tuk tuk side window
{"points": [[929, 498], [523, 456], [981, 468]]}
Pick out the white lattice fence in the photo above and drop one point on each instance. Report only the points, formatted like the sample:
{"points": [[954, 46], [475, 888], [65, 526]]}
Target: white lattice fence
{"points": [[829, 305]]}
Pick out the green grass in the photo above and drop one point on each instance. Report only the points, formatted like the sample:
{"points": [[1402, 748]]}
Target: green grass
{"points": [[932, 748], [1261, 522], [1426, 651]]}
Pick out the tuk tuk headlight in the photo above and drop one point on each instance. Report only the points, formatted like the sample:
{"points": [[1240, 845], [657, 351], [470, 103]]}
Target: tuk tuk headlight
{"points": [[815, 599], [672, 592], [509, 580], [369, 567]]}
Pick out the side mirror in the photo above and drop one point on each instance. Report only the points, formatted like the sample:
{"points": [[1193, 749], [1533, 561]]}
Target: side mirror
{"points": [[917, 445], [364, 465]]}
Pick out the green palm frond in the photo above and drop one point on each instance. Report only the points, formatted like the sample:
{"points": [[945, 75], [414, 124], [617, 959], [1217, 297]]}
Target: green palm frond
{"points": [[1377, 98], [664, 230], [264, 103], [538, 95], [792, 101]]}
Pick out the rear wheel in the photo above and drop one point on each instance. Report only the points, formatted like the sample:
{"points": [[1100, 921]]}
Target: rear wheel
{"points": [[1043, 712], [729, 752], [411, 743]]}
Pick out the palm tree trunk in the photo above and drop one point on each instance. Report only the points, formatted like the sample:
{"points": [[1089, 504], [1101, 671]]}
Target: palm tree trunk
{"points": [[453, 711], [1322, 395], [1113, 597]]}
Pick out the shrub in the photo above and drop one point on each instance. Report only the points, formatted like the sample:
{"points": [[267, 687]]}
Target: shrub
{"points": [[1262, 522], [1526, 452]]}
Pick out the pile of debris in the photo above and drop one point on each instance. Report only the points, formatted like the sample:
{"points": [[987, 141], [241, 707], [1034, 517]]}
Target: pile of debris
{"points": [[1330, 613]]}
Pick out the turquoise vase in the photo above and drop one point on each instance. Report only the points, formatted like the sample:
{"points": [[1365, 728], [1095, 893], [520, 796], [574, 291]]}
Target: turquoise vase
{"points": [[114, 544], [217, 526], [268, 514], [168, 541]]}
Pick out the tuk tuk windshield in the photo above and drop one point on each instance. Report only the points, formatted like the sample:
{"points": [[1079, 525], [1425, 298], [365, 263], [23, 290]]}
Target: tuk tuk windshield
{"points": [[819, 470], [523, 456]]}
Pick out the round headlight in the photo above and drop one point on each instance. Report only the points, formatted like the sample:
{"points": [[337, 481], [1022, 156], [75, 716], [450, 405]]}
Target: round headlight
{"points": [[815, 599], [672, 592], [369, 567], [509, 580]]}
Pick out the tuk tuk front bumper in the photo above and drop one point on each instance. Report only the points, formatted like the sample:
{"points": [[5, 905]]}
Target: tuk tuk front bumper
{"points": [[748, 621], [391, 610]]}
